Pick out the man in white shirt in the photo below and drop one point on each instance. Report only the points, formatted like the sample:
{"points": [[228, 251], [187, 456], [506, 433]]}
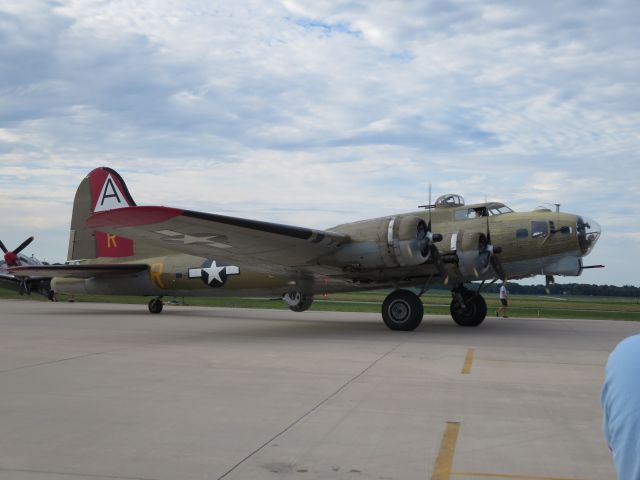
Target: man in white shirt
{"points": [[620, 402], [504, 300]]}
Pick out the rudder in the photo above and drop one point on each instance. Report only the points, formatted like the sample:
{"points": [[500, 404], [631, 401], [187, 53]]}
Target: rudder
{"points": [[102, 189]]}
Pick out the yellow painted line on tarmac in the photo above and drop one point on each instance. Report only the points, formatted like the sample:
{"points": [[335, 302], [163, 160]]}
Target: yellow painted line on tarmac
{"points": [[444, 462], [468, 361], [508, 476]]}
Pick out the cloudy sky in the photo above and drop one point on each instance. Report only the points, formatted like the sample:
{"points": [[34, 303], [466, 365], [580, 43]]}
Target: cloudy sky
{"points": [[316, 112]]}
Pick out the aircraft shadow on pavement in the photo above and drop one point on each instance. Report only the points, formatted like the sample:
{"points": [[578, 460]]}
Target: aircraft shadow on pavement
{"points": [[201, 324]]}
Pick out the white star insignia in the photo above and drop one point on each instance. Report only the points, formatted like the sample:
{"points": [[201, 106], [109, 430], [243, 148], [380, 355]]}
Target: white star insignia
{"points": [[189, 239], [185, 239], [213, 272], [214, 275]]}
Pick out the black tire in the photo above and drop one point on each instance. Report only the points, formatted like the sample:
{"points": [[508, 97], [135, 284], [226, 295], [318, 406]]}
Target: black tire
{"points": [[402, 310], [472, 313], [155, 305], [305, 303]]}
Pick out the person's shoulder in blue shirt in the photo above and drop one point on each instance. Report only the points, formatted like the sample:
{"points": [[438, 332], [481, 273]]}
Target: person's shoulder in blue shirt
{"points": [[620, 402]]}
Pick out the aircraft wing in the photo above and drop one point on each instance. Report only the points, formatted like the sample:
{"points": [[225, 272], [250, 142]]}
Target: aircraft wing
{"points": [[76, 271], [9, 281], [263, 244], [35, 285]]}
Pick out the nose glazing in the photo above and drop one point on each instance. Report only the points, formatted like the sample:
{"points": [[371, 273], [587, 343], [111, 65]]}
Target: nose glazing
{"points": [[588, 232]]}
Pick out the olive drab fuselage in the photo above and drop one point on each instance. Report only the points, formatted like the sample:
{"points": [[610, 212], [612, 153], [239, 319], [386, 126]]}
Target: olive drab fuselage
{"points": [[380, 254]]}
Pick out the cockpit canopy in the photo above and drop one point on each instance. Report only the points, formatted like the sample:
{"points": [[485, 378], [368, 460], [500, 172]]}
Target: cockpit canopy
{"points": [[449, 200]]}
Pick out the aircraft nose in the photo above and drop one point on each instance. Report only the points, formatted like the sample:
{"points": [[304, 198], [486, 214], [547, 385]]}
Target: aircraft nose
{"points": [[588, 232]]}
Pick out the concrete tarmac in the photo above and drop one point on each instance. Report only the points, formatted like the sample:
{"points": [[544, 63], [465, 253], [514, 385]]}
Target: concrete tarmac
{"points": [[101, 391]]}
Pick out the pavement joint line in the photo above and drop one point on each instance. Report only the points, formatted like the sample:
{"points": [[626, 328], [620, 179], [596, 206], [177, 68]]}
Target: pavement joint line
{"points": [[468, 361], [508, 476], [314, 409], [72, 474], [444, 461], [60, 360]]}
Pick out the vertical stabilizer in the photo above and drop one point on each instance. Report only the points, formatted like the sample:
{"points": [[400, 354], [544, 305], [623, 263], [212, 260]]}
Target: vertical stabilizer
{"points": [[103, 189]]}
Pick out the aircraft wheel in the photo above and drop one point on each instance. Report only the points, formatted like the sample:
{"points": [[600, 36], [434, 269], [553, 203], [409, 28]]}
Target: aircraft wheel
{"points": [[402, 310], [304, 304], [298, 302], [472, 313], [155, 305]]}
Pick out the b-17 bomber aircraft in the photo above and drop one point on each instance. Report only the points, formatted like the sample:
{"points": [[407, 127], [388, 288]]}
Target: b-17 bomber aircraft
{"points": [[117, 247]]}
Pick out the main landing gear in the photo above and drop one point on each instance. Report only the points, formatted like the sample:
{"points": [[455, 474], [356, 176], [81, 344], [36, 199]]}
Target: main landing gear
{"points": [[468, 308], [155, 305], [403, 309]]}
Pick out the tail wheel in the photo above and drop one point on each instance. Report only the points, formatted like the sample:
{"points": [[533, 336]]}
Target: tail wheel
{"points": [[471, 312], [402, 310], [155, 305]]}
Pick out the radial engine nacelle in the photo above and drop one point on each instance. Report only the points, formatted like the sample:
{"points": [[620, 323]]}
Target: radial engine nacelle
{"points": [[397, 241]]}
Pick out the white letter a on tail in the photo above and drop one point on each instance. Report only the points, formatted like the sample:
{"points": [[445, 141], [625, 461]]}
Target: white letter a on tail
{"points": [[111, 197]]}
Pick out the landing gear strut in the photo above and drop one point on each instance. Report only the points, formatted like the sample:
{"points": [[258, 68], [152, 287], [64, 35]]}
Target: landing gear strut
{"points": [[155, 305], [468, 309], [402, 310]]}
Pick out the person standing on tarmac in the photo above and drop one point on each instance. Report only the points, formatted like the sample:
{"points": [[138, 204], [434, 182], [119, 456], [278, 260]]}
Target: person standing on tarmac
{"points": [[504, 300], [620, 399]]}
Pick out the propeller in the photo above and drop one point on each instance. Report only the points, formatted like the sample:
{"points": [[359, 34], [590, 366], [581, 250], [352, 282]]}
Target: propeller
{"points": [[488, 255], [548, 281], [427, 240], [11, 257]]}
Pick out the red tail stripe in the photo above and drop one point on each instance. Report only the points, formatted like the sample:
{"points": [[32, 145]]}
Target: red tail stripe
{"points": [[132, 216]]}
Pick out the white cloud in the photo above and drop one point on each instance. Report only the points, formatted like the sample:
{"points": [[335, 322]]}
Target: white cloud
{"points": [[317, 113]]}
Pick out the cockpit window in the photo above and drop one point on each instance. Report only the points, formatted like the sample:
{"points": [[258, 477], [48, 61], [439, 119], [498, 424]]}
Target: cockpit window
{"points": [[481, 211], [499, 210], [539, 229], [461, 214], [467, 213], [477, 212]]}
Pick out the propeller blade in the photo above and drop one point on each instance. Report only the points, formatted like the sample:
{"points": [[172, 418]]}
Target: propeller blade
{"points": [[430, 208], [488, 232], [422, 238], [435, 254], [497, 266], [482, 261], [549, 280], [493, 259], [4, 249], [23, 245]]}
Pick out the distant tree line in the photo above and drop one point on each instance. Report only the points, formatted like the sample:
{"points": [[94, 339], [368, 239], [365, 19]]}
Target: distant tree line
{"points": [[570, 289]]}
